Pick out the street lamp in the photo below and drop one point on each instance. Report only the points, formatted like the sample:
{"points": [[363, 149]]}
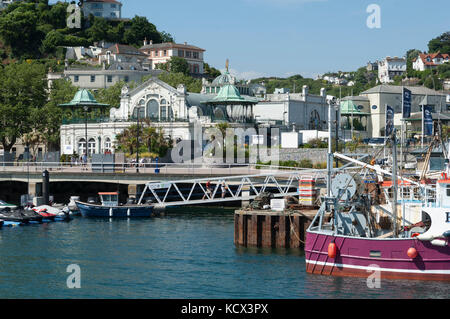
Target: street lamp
{"points": [[137, 142]]}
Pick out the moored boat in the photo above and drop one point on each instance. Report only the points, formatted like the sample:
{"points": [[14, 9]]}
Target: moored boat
{"points": [[109, 207], [4, 204], [349, 238]]}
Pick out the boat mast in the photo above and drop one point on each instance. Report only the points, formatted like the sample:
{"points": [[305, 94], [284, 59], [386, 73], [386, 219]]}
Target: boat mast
{"points": [[394, 181], [330, 150]]}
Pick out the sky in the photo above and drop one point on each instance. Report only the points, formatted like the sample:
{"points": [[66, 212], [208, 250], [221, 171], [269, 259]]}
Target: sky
{"points": [[286, 37]]}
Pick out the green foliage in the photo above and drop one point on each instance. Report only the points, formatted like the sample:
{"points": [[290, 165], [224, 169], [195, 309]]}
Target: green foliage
{"points": [[35, 29], [140, 29], [175, 65], [210, 72], [22, 94], [441, 43], [151, 140]]}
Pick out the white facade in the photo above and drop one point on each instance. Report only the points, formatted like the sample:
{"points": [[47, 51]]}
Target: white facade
{"points": [[108, 9], [305, 111], [390, 68], [429, 61], [391, 95]]}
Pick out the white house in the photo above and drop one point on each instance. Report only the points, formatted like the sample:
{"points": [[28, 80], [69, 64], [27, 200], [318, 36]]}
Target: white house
{"points": [[429, 61], [162, 52], [108, 9], [390, 68]]}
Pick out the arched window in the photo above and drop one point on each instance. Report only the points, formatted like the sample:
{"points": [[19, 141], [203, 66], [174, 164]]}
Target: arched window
{"points": [[81, 146], [108, 145], [153, 109], [91, 146], [141, 110]]}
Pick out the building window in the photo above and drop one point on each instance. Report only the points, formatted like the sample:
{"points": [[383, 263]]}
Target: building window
{"points": [[181, 53], [91, 146], [76, 78], [110, 79], [127, 79], [108, 145], [156, 53], [188, 54], [92, 78], [82, 146], [195, 55], [165, 52], [153, 109]]}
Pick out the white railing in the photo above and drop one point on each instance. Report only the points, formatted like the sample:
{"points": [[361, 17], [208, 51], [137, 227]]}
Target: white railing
{"points": [[143, 168]]}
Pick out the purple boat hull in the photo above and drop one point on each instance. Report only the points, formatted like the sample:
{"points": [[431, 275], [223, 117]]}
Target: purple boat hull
{"points": [[359, 257]]}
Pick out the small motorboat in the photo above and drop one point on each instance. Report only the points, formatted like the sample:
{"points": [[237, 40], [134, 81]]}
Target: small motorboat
{"points": [[16, 216], [6, 205], [33, 216], [52, 213]]}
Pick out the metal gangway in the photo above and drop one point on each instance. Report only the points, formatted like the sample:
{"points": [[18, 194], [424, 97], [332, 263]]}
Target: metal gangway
{"points": [[227, 189]]}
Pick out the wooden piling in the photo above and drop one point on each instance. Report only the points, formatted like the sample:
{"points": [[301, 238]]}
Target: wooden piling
{"points": [[269, 229]]}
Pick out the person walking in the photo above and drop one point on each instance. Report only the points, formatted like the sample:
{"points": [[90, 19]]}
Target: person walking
{"points": [[208, 191], [224, 189]]}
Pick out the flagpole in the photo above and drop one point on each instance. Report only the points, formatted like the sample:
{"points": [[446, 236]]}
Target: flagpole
{"points": [[402, 121], [423, 124]]}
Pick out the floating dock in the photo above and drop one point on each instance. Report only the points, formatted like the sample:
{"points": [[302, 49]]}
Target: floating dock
{"points": [[271, 229]]}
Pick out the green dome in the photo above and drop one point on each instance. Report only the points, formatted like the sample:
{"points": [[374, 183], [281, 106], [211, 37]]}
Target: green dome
{"points": [[84, 98]]}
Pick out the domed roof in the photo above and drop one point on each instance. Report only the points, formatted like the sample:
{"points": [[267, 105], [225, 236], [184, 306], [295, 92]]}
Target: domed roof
{"points": [[223, 79], [84, 98]]}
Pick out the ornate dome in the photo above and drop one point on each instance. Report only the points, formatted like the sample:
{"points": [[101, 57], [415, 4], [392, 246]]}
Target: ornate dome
{"points": [[223, 79]]}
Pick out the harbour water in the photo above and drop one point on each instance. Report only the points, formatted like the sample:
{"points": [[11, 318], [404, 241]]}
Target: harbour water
{"points": [[187, 254]]}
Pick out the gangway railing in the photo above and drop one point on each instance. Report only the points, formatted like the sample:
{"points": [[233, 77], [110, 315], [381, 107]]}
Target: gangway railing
{"points": [[226, 189]]}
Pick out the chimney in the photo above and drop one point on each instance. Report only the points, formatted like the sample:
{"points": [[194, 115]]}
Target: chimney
{"points": [[323, 92], [145, 42], [151, 42], [185, 43]]}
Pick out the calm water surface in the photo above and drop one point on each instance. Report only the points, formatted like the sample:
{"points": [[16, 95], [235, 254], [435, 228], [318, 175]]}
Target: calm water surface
{"points": [[186, 254]]}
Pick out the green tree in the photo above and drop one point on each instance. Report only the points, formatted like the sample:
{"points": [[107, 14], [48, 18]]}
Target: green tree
{"points": [[23, 89], [441, 43], [18, 29], [139, 29]]}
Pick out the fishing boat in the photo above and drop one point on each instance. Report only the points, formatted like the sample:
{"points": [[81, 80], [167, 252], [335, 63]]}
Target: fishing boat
{"points": [[346, 237], [109, 207]]}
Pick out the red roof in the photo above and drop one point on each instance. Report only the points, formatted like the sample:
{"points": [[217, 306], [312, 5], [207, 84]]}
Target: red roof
{"points": [[432, 56]]}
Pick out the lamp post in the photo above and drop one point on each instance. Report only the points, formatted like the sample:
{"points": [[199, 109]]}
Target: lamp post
{"points": [[137, 143], [85, 108]]}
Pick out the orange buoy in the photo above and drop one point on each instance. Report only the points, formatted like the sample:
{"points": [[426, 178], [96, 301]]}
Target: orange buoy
{"points": [[412, 253], [332, 250]]}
